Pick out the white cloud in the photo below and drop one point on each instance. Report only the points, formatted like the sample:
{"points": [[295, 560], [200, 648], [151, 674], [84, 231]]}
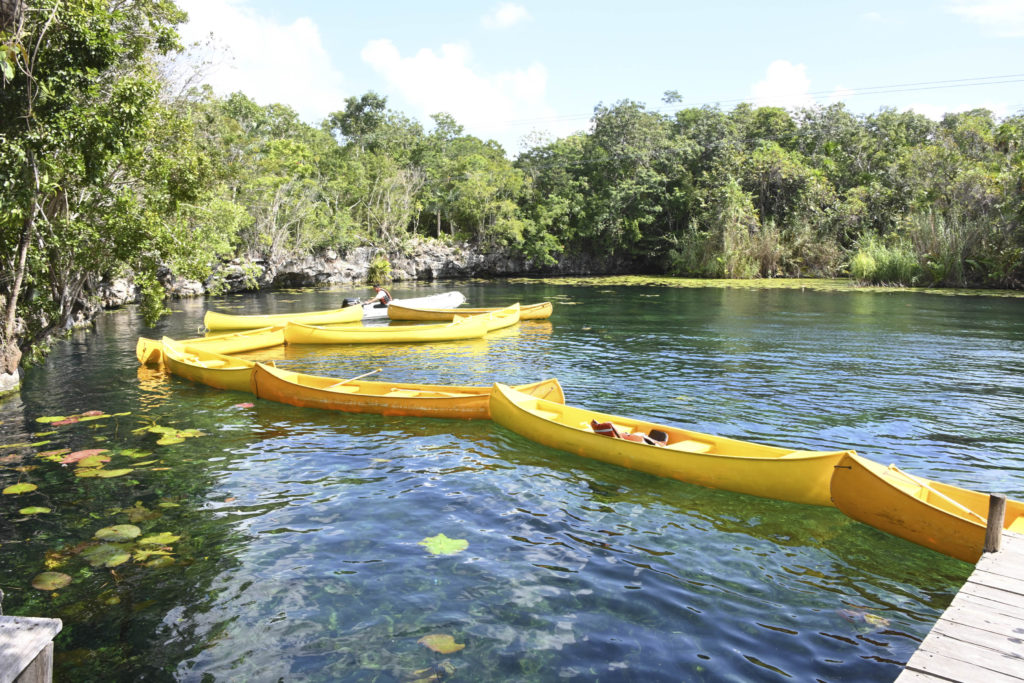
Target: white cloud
{"points": [[785, 85], [502, 106], [269, 62], [505, 15], [1004, 17]]}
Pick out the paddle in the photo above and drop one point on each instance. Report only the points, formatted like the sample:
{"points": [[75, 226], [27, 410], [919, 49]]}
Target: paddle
{"points": [[346, 381], [938, 493]]}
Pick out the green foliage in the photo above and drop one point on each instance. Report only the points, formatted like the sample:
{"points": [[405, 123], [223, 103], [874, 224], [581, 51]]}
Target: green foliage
{"points": [[379, 271], [876, 262]]}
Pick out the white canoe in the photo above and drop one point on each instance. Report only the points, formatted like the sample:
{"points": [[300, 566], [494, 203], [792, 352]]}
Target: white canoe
{"points": [[442, 300]]}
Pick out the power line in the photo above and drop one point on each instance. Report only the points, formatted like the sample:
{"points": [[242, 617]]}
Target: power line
{"points": [[895, 88]]}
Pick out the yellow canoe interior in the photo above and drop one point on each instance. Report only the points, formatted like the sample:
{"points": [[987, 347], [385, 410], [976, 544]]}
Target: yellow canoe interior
{"points": [[528, 312], [717, 462], [939, 516], [213, 369], [227, 321], [384, 398], [472, 327], [150, 351]]}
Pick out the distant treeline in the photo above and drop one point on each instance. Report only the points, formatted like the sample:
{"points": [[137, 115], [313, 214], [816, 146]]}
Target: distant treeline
{"points": [[105, 169]]}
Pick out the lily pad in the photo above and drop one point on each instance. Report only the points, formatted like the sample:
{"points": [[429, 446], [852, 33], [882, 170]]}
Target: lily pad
{"points": [[88, 472], [107, 554], [110, 474], [65, 421], [50, 581], [144, 555], [163, 538], [135, 453], [118, 532], [34, 510], [93, 461], [164, 561], [140, 513], [81, 455], [442, 545], [169, 440], [50, 419], [441, 643], [23, 487], [53, 456]]}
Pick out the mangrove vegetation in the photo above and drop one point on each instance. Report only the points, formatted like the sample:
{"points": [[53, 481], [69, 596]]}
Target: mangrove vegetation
{"points": [[110, 168]]}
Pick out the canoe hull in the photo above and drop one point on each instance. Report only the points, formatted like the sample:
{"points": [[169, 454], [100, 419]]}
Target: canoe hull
{"points": [[728, 464], [889, 500], [226, 321], [384, 398], [402, 311], [442, 300], [469, 328], [150, 351], [212, 369]]}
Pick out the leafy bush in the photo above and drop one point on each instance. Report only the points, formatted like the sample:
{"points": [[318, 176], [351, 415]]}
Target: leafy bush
{"points": [[379, 271]]}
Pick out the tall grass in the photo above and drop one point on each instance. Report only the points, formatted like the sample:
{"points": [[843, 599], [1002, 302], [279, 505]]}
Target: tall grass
{"points": [[890, 264]]}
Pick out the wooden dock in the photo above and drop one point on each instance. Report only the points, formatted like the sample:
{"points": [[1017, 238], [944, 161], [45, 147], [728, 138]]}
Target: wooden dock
{"points": [[980, 636]]}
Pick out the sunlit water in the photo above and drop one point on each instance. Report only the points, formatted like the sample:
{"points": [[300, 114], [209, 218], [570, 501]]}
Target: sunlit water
{"points": [[300, 554]]}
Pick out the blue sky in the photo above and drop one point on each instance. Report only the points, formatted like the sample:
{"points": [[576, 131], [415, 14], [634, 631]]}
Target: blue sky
{"points": [[508, 69]]}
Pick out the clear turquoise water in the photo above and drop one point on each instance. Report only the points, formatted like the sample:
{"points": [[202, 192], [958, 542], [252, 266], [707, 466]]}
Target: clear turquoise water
{"points": [[300, 553]]}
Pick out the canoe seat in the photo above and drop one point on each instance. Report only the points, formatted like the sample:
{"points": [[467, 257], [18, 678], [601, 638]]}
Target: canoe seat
{"points": [[690, 446], [212, 363], [342, 388]]}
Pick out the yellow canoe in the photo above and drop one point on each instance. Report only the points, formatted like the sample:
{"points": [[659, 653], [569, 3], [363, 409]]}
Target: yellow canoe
{"points": [[503, 317], [226, 321], [385, 398], [213, 369], [712, 461], [471, 327], [397, 311], [151, 350], [939, 516]]}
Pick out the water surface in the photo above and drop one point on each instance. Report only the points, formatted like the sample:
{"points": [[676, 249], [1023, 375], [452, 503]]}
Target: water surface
{"points": [[300, 552]]}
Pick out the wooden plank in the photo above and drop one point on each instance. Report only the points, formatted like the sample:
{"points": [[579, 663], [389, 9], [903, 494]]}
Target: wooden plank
{"points": [[22, 639], [1001, 643], [1004, 583], [988, 593], [989, 598], [909, 676], [972, 617], [968, 663]]}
